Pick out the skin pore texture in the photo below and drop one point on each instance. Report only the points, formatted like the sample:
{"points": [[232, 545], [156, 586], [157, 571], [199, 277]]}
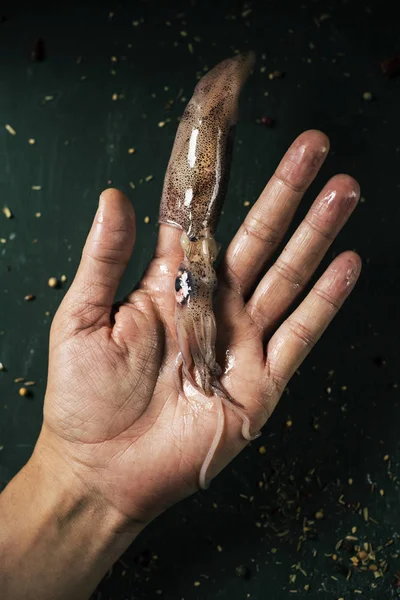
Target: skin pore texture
{"points": [[193, 195]]}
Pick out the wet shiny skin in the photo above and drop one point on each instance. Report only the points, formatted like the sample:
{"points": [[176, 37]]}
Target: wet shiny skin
{"points": [[193, 195]]}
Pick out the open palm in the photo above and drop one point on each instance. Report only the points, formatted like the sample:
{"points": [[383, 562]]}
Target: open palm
{"points": [[112, 410]]}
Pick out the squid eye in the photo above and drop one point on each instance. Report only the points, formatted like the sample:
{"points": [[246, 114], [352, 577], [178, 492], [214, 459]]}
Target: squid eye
{"points": [[183, 286]]}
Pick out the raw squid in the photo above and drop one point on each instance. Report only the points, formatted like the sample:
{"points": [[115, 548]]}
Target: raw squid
{"points": [[193, 195]]}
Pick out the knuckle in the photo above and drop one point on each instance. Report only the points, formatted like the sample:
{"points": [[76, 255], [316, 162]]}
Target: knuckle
{"points": [[261, 230], [289, 273], [312, 223], [330, 300], [297, 188], [302, 332]]}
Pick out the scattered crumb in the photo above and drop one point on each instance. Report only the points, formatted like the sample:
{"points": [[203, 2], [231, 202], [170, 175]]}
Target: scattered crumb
{"points": [[319, 515], [10, 129], [52, 282], [161, 123], [275, 75], [31, 141], [63, 278], [367, 96], [243, 572], [262, 450], [147, 219], [196, 583], [114, 97], [131, 151], [29, 297], [7, 212]]}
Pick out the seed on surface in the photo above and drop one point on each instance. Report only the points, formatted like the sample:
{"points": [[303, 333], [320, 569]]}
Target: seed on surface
{"points": [[10, 129], [147, 219], [2, 367], [7, 212], [52, 282], [319, 514], [23, 391], [63, 278], [29, 297], [36, 188], [38, 215], [31, 141], [275, 75], [367, 96], [262, 450], [131, 151]]}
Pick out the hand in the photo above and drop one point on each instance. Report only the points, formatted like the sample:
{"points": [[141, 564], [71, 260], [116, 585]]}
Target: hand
{"points": [[112, 412]]}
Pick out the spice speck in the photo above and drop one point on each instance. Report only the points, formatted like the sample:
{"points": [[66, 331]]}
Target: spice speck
{"points": [[52, 282], [10, 129]]}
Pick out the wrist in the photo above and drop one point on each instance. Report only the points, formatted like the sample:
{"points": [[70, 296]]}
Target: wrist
{"points": [[57, 532], [76, 495]]}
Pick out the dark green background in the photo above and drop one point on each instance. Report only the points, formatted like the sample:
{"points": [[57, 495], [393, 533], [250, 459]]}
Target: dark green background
{"points": [[82, 140]]}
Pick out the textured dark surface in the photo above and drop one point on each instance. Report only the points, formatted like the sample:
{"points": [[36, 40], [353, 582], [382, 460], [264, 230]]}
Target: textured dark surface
{"points": [[330, 55]]}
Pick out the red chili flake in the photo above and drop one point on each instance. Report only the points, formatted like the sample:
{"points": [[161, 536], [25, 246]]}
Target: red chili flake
{"points": [[267, 121], [38, 51], [391, 66]]}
